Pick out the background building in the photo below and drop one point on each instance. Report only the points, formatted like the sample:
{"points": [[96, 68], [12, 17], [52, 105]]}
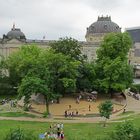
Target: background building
{"points": [[94, 36], [134, 54], [97, 30]]}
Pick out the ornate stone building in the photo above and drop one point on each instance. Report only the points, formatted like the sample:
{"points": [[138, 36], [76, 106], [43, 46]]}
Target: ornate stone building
{"points": [[95, 33], [94, 36], [98, 29], [134, 54]]}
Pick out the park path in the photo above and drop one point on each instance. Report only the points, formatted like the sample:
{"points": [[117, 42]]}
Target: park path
{"points": [[132, 104], [77, 120], [63, 120]]}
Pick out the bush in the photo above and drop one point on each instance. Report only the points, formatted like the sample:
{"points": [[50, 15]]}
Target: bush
{"points": [[46, 115], [125, 131], [19, 134], [136, 135]]}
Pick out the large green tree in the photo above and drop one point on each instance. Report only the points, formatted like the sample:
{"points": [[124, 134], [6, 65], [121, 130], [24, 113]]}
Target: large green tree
{"points": [[72, 48], [33, 85], [86, 77], [5, 86], [113, 73], [21, 62], [69, 47], [57, 70], [63, 71]]}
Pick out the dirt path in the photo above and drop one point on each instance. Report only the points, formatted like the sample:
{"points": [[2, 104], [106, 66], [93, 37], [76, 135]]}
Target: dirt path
{"points": [[113, 118], [78, 120]]}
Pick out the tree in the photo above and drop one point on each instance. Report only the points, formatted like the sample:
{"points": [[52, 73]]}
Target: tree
{"points": [[63, 71], [21, 62], [114, 45], [57, 70], [113, 73], [86, 76], [69, 47], [5, 86], [105, 110], [34, 85], [72, 48]]}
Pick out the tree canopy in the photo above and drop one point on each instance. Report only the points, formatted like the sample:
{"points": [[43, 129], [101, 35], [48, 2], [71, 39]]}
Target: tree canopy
{"points": [[106, 109], [69, 47], [113, 73], [33, 68]]}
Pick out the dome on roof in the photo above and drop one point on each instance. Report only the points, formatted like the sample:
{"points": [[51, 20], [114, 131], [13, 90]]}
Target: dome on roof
{"points": [[15, 33], [103, 25], [98, 29]]}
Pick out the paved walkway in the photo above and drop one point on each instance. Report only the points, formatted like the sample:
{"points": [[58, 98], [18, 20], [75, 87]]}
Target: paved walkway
{"points": [[132, 104]]}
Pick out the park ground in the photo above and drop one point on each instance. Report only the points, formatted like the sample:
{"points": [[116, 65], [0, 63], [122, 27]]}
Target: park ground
{"points": [[83, 128]]}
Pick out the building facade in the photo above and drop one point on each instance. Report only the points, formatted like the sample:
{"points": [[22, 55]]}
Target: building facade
{"points": [[94, 36], [134, 53]]}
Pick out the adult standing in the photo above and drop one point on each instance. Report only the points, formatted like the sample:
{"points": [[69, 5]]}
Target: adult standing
{"points": [[89, 107]]}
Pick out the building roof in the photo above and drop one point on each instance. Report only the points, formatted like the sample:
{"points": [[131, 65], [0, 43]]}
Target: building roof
{"points": [[103, 25], [15, 33], [134, 33]]}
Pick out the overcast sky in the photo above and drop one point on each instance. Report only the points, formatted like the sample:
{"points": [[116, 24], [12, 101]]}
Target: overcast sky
{"points": [[59, 18]]}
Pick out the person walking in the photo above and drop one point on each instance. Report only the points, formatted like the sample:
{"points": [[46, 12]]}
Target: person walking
{"points": [[89, 107], [77, 113], [69, 106], [61, 135], [58, 133], [61, 126], [66, 114]]}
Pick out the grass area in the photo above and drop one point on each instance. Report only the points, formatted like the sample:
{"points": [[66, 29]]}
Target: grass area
{"points": [[73, 131], [129, 117], [16, 114]]}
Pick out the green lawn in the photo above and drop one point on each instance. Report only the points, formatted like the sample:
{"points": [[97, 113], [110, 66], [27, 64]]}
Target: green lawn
{"points": [[78, 131], [72, 131], [16, 114]]}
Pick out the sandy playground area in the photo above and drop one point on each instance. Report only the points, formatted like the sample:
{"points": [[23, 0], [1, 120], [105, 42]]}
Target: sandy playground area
{"points": [[82, 107]]}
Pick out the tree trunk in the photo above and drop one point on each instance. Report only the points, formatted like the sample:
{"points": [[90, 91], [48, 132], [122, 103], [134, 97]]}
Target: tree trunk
{"points": [[105, 122], [47, 105], [58, 100]]}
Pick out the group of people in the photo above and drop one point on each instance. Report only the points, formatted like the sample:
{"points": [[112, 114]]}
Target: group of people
{"points": [[91, 98], [55, 132], [69, 113], [12, 103], [134, 95], [4, 101]]}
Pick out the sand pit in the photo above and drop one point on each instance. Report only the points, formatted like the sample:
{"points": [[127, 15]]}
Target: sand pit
{"points": [[82, 107]]}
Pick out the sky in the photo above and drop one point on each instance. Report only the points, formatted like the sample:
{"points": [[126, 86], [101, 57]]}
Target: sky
{"points": [[60, 18]]}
